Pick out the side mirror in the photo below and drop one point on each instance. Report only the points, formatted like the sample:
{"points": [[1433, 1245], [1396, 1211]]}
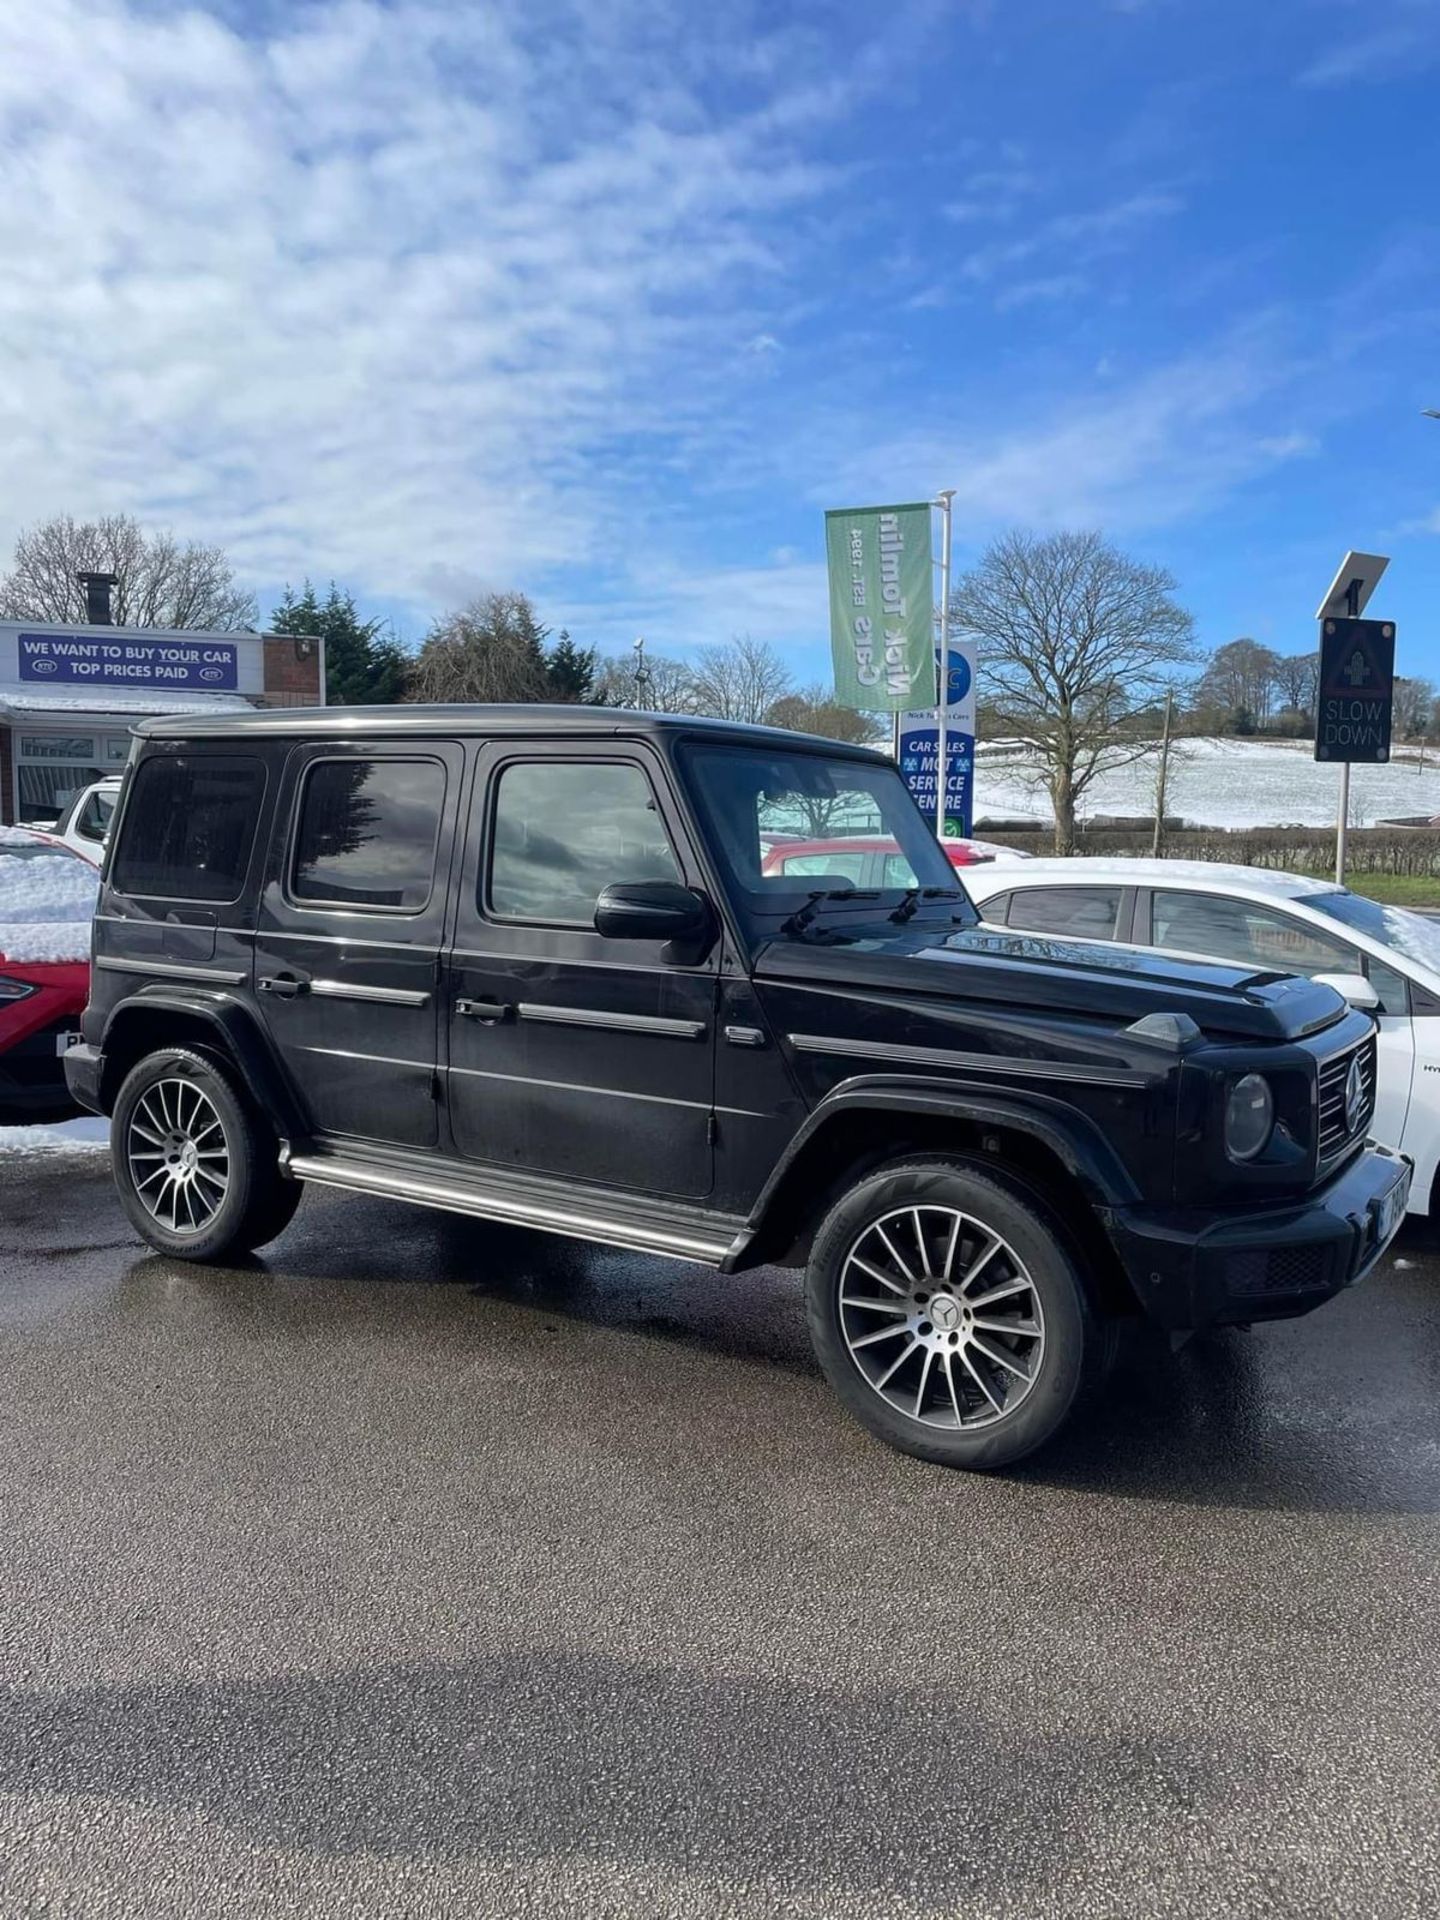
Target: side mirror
{"points": [[652, 910], [1353, 987]]}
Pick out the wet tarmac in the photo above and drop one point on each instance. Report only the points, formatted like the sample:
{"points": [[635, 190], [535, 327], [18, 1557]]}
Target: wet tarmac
{"points": [[426, 1568]]}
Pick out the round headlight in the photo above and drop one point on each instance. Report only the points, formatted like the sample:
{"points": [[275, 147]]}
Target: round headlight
{"points": [[1249, 1116]]}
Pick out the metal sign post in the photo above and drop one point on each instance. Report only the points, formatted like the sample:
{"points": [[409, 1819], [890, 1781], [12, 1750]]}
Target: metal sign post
{"points": [[1356, 690], [942, 665]]}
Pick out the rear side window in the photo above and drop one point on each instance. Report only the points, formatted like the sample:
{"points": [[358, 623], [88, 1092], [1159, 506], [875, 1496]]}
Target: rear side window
{"points": [[189, 827], [1085, 912], [367, 834], [1246, 934]]}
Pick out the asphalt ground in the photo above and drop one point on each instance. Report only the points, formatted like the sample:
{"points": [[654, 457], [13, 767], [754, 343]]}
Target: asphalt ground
{"points": [[426, 1568]]}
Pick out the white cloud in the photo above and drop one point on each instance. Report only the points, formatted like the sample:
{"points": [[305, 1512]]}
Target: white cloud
{"points": [[1074, 239], [678, 608], [1401, 37], [389, 291], [1168, 444]]}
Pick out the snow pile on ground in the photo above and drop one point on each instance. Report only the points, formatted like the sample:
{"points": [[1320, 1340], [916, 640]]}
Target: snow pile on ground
{"points": [[1218, 783], [86, 1135], [47, 899]]}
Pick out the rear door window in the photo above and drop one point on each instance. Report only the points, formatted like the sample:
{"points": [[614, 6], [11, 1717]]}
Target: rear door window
{"points": [[1089, 913], [1246, 934], [190, 827], [366, 835]]}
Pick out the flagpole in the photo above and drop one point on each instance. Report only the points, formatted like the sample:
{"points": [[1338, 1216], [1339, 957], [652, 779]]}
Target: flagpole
{"points": [[942, 676]]}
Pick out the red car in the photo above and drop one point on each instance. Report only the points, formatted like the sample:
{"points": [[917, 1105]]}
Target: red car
{"points": [[47, 901], [869, 860]]}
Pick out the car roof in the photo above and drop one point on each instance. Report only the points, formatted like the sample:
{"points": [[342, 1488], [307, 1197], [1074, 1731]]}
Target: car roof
{"points": [[447, 720], [1261, 882], [840, 843]]}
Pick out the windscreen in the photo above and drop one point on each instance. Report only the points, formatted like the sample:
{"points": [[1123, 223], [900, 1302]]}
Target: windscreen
{"points": [[1408, 933], [758, 804]]}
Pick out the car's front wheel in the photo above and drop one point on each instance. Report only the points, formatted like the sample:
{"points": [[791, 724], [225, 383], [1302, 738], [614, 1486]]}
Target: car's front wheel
{"points": [[949, 1315], [197, 1171]]}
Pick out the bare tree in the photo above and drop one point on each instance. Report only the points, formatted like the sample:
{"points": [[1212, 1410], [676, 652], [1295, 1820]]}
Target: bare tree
{"points": [[1240, 683], [493, 649], [668, 685], [740, 680], [1295, 678], [1414, 707], [815, 710], [158, 582], [1076, 642]]}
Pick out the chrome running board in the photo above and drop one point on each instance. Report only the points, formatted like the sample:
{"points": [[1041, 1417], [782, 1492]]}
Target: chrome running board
{"points": [[490, 1203]]}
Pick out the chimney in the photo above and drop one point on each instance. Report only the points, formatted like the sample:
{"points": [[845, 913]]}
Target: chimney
{"points": [[97, 597]]}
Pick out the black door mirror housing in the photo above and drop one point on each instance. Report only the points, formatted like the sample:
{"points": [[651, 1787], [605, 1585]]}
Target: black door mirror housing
{"points": [[652, 910]]}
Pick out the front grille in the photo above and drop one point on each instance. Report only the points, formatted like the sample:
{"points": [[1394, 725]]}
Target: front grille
{"points": [[1335, 1133]]}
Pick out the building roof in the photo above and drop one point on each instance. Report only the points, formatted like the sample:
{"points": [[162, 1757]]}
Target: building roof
{"points": [[1141, 872], [17, 702], [465, 718]]}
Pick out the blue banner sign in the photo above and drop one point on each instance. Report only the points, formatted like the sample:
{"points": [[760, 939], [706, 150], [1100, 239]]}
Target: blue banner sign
{"points": [[919, 764], [920, 744], [109, 657]]}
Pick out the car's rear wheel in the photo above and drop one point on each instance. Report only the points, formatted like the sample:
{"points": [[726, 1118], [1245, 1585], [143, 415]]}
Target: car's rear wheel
{"points": [[197, 1170], [949, 1315]]}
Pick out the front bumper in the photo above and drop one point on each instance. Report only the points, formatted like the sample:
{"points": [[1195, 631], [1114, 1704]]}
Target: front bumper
{"points": [[83, 1064], [1192, 1268]]}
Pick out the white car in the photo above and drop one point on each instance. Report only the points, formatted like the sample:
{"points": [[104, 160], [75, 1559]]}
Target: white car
{"points": [[85, 823], [1278, 922]]}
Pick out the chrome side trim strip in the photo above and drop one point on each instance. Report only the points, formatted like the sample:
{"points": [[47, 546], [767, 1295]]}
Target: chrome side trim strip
{"points": [[968, 1062], [170, 970], [572, 1086], [619, 1022], [546, 1216], [385, 996]]}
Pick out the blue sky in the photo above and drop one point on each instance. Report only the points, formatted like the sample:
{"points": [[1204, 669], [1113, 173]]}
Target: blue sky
{"points": [[609, 303]]}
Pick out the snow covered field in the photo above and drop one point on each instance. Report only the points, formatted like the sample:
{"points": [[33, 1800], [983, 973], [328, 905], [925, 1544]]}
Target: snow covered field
{"points": [[87, 1134], [1220, 783]]}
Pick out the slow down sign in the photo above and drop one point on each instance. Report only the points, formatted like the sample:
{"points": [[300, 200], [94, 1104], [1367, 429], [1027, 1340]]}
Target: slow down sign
{"points": [[1357, 690]]}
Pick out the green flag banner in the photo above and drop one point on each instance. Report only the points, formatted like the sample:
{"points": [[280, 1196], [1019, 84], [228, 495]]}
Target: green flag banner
{"points": [[882, 607]]}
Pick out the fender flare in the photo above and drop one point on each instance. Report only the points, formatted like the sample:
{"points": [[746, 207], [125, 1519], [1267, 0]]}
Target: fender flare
{"points": [[238, 1032], [1073, 1137]]}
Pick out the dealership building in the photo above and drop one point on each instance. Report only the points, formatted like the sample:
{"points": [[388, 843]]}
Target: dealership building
{"points": [[69, 696]]}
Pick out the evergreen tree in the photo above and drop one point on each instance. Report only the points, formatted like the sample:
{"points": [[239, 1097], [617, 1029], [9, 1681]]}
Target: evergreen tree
{"points": [[571, 670], [364, 666]]}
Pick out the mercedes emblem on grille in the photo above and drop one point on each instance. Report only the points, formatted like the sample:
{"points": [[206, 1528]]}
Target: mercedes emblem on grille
{"points": [[1354, 1096]]}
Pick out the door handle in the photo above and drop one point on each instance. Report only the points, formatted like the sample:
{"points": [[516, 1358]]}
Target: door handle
{"points": [[489, 1012], [288, 986]]}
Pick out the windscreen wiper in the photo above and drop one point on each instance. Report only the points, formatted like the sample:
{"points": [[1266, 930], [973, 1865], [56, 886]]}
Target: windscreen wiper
{"points": [[802, 916], [910, 905]]}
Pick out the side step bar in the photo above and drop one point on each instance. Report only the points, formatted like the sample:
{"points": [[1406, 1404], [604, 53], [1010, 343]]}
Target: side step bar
{"points": [[547, 1215]]}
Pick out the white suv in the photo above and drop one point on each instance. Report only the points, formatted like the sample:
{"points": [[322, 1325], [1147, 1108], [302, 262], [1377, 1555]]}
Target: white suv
{"points": [[1274, 923], [85, 823]]}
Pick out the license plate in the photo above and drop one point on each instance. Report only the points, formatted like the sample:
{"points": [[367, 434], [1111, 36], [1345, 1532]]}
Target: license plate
{"points": [[1391, 1210], [64, 1041]]}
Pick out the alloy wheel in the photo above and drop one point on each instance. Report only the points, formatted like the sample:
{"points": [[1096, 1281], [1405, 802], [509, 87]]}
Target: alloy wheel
{"points": [[941, 1318], [178, 1160]]}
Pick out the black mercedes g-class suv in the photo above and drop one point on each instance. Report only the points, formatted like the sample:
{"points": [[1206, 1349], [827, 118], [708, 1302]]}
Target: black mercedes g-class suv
{"points": [[532, 964]]}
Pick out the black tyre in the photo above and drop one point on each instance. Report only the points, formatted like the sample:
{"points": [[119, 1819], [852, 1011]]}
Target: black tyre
{"points": [[196, 1168], [948, 1314]]}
